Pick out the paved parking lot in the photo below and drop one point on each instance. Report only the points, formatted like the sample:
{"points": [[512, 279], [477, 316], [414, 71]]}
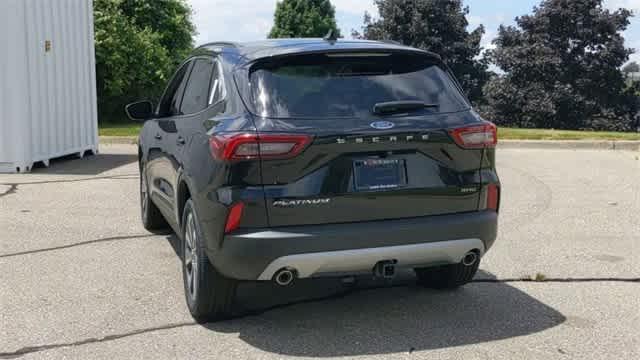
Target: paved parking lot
{"points": [[80, 278]]}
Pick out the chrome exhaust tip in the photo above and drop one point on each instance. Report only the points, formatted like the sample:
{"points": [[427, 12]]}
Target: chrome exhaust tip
{"points": [[284, 276], [470, 258]]}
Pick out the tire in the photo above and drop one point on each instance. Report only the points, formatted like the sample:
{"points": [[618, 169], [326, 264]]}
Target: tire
{"points": [[209, 294], [448, 276], [152, 218]]}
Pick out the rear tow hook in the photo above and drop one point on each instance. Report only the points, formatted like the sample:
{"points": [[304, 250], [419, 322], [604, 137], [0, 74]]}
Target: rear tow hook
{"points": [[385, 269]]}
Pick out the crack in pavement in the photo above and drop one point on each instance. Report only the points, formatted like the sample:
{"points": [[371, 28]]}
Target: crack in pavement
{"points": [[558, 280], [82, 243], [13, 186], [12, 189], [32, 349], [111, 177], [38, 348]]}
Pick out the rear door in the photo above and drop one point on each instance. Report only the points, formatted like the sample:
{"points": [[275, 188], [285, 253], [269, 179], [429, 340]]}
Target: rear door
{"points": [[362, 165], [195, 101], [161, 163]]}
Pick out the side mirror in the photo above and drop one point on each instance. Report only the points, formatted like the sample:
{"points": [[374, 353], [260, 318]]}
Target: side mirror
{"points": [[140, 111]]}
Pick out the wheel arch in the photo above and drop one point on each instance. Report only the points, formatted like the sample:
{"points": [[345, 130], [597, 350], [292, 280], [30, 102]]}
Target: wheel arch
{"points": [[183, 194]]}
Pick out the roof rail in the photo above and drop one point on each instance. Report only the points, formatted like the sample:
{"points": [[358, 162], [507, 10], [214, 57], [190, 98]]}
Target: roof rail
{"points": [[331, 36], [388, 41]]}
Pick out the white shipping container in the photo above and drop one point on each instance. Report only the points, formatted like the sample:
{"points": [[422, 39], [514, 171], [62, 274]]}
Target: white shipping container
{"points": [[47, 81]]}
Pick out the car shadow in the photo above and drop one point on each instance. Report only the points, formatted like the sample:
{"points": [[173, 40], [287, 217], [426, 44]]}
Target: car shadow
{"points": [[88, 165], [329, 317]]}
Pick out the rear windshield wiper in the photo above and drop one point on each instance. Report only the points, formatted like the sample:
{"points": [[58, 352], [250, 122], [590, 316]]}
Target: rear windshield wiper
{"points": [[394, 107]]}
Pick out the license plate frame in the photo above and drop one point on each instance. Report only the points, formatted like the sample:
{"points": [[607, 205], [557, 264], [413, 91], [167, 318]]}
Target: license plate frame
{"points": [[379, 174]]}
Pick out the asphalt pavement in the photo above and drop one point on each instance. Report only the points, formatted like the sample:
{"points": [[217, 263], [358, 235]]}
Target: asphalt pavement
{"points": [[80, 278]]}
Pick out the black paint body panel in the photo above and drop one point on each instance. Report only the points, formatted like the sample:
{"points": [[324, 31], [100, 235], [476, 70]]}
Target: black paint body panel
{"points": [[443, 196]]}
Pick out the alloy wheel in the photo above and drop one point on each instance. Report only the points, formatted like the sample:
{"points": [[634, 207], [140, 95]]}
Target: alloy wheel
{"points": [[144, 194], [191, 256]]}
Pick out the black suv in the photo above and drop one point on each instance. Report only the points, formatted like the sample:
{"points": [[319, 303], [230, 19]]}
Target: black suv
{"points": [[298, 158]]}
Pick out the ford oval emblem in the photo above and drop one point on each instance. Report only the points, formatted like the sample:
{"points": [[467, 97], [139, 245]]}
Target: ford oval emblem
{"points": [[382, 125]]}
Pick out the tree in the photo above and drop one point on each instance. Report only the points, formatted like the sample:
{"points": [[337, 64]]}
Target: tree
{"points": [[138, 45], [439, 26], [304, 18], [631, 67], [561, 68]]}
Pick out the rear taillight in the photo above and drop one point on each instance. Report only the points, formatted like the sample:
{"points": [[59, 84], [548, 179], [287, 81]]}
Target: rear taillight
{"points": [[477, 136], [253, 146], [233, 219], [493, 197]]}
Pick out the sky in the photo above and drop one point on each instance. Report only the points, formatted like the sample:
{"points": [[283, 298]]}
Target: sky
{"points": [[245, 20]]}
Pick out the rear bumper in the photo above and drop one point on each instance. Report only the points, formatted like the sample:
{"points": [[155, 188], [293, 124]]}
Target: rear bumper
{"points": [[355, 247]]}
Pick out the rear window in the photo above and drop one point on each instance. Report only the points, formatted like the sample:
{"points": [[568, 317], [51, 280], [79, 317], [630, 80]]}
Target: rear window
{"points": [[349, 85]]}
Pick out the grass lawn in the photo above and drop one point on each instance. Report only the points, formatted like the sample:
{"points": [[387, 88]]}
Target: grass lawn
{"points": [[132, 129], [119, 129], [546, 134]]}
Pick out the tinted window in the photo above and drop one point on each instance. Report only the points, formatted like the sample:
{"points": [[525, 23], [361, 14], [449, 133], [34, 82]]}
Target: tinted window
{"points": [[196, 93], [349, 85], [170, 103]]}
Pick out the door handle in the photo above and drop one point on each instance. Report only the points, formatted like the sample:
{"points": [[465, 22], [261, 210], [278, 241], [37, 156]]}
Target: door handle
{"points": [[180, 140], [158, 137]]}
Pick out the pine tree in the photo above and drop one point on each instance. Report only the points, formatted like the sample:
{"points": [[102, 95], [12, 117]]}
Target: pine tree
{"points": [[303, 18]]}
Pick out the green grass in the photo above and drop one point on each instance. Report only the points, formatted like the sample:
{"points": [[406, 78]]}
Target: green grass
{"points": [[547, 134], [119, 129], [132, 129]]}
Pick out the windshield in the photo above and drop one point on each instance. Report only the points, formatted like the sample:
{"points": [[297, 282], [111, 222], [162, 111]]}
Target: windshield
{"points": [[350, 85]]}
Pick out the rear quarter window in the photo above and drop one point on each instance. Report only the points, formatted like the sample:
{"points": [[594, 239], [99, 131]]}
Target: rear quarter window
{"points": [[349, 85]]}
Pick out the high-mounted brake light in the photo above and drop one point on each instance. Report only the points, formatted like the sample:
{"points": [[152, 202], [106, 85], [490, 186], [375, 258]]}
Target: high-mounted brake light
{"points": [[477, 136], [252, 146]]}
